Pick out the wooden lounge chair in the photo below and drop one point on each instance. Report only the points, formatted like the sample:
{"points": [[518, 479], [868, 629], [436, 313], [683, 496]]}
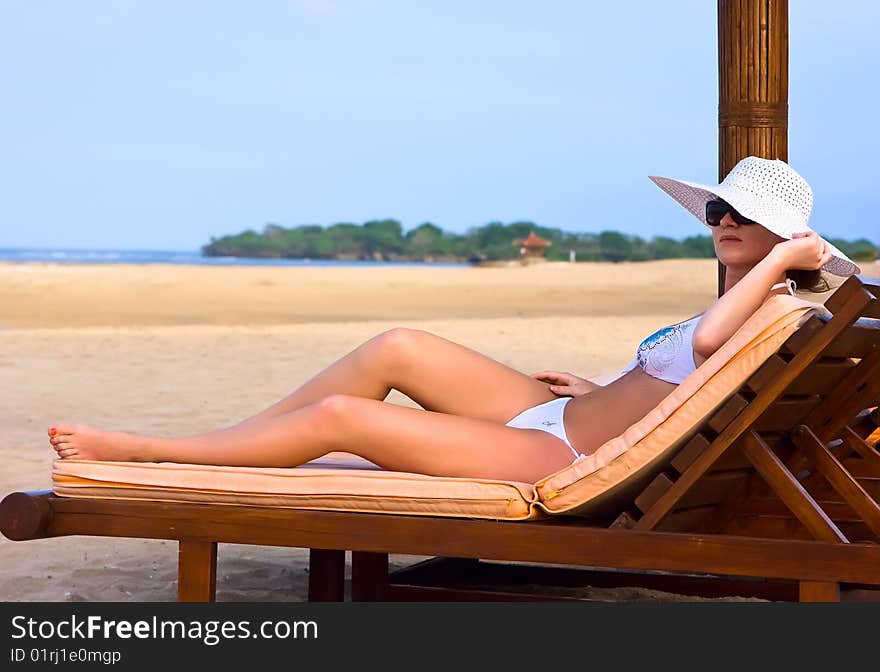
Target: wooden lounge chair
{"points": [[774, 494]]}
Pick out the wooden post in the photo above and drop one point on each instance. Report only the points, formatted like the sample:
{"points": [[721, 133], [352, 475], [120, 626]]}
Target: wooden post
{"points": [[326, 575], [369, 576], [196, 571], [752, 84], [819, 591]]}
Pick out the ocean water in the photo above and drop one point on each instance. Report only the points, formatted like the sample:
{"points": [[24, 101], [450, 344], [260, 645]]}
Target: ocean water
{"points": [[65, 256]]}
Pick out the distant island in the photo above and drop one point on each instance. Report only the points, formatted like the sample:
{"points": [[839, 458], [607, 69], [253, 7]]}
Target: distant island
{"points": [[385, 240]]}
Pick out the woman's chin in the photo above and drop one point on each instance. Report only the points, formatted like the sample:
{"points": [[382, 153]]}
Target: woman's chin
{"points": [[732, 259]]}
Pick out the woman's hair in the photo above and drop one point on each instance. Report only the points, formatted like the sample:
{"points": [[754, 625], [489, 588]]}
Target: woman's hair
{"points": [[809, 281]]}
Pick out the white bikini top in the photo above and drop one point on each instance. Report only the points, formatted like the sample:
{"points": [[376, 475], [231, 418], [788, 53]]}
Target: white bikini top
{"points": [[668, 354]]}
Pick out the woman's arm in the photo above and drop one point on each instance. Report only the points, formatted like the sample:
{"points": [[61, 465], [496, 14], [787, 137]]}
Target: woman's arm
{"points": [[735, 306]]}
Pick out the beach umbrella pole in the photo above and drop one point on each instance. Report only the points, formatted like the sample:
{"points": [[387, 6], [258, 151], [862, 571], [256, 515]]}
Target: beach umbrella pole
{"points": [[752, 84]]}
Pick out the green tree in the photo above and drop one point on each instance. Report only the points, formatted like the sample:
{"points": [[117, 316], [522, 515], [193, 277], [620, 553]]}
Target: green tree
{"points": [[698, 247], [383, 236], [494, 240], [663, 247], [857, 250], [640, 250], [302, 241], [426, 240], [614, 246], [347, 239], [273, 230]]}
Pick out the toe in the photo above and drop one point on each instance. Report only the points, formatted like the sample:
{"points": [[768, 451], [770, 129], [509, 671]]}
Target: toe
{"points": [[66, 430]]}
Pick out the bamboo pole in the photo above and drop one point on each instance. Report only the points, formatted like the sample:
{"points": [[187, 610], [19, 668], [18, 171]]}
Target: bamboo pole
{"points": [[752, 84]]}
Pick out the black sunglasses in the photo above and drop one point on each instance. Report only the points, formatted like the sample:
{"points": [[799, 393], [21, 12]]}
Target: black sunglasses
{"points": [[715, 211]]}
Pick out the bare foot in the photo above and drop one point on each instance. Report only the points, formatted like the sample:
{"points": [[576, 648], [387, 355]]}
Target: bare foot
{"points": [[81, 442]]}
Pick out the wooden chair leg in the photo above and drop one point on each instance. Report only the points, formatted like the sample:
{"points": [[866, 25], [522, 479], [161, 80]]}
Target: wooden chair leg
{"points": [[369, 576], [326, 575], [197, 571], [819, 591]]}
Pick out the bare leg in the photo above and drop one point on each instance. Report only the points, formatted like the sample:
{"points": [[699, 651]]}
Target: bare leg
{"points": [[359, 373], [436, 373], [394, 437]]}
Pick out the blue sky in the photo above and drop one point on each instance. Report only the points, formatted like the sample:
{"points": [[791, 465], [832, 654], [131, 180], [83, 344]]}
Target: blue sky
{"points": [[151, 124]]}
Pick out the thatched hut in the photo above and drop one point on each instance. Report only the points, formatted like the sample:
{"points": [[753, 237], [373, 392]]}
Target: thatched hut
{"points": [[531, 248]]}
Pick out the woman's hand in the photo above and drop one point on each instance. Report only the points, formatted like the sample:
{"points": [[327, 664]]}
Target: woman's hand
{"points": [[804, 251], [565, 384]]}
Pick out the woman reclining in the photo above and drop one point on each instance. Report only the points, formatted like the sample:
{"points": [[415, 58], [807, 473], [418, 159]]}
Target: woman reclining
{"points": [[482, 419]]}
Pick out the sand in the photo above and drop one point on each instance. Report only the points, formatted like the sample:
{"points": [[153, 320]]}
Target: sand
{"points": [[169, 350]]}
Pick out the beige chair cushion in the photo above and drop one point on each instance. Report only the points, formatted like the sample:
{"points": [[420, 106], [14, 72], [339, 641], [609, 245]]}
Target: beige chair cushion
{"points": [[337, 482]]}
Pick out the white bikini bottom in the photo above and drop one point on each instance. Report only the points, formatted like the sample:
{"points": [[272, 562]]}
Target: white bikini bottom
{"points": [[547, 417]]}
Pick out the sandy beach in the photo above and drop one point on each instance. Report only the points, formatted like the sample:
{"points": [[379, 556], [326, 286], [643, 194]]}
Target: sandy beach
{"points": [[169, 350]]}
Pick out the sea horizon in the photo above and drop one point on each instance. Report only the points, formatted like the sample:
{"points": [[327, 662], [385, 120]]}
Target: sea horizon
{"points": [[52, 255]]}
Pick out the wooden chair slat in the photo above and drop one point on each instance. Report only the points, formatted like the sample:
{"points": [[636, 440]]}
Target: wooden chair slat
{"points": [[819, 377], [790, 491], [851, 287], [869, 283], [873, 310], [871, 286], [857, 341], [729, 461], [685, 519], [861, 447], [851, 395], [786, 412], [654, 490], [799, 339], [821, 489], [866, 423], [713, 488], [863, 470], [839, 478], [691, 451], [748, 489], [767, 372], [728, 411], [772, 506], [835, 424]]}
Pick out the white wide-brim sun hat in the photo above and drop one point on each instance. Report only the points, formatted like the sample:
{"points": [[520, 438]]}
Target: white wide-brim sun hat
{"points": [[767, 191]]}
